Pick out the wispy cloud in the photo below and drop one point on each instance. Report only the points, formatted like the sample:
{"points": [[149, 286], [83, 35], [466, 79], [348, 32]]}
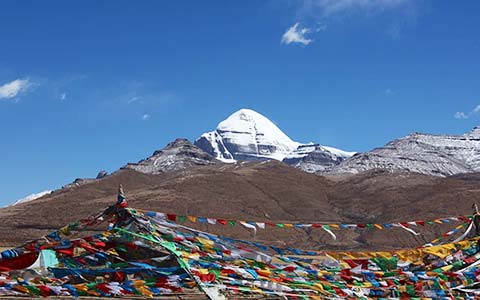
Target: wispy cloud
{"points": [[389, 92], [401, 13], [329, 8], [14, 88], [296, 34], [65, 87], [133, 99], [321, 27], [463, 115]]}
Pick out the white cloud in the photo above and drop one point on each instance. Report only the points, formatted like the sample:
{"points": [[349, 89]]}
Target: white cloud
{"points": [[145, 117], [295, 34], [14, 88], [462, 115], [401, 13], [335, 10], [133, 99]]}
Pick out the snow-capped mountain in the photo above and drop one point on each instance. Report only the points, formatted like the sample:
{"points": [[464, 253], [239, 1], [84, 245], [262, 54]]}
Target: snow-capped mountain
{"points": [[439, 155], [177, 155], [248, 135], [31, 197]]}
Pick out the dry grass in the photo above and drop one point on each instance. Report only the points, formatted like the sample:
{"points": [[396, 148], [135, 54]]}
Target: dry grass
{"points": [[271, 192]]}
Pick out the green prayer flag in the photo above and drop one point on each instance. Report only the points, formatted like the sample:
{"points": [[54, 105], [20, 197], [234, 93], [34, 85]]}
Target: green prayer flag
{"points": [[386, 264]]}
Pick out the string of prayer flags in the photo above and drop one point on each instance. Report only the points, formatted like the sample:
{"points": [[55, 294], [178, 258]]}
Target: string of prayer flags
{"points": [[327, 227]]}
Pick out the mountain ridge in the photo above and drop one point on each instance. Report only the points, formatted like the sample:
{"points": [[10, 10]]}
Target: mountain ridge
{"points": [[437, 155]]}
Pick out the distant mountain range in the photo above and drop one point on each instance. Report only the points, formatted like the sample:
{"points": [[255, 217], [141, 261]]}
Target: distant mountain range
{"points": [[247, 135]]}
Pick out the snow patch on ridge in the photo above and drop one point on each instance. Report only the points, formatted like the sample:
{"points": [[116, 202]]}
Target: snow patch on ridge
{"points": [[340, 153], [31, 197]]}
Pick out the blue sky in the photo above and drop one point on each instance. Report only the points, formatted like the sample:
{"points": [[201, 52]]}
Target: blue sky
{"points": [[91, 85]]}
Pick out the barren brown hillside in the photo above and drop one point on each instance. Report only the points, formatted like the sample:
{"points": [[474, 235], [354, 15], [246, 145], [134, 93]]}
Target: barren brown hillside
{"points": [[268, 191]]}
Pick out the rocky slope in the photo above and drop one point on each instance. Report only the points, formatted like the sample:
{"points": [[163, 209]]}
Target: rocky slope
{"points": [[263, 191], [248, 135], [439, 155], [177, 155], [314, 158]]}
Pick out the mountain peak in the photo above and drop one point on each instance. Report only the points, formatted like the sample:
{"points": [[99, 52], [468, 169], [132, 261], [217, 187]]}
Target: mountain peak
{"points": [[245, 116], [248, 135], [252, 127]]}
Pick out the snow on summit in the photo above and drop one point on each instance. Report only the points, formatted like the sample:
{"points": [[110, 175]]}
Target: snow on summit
{"points": [[253, 133], [255, 128], [248, 135]]}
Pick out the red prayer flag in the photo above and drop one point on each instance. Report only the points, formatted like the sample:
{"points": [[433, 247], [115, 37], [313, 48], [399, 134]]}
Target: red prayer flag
{"points": [[172, 217]]}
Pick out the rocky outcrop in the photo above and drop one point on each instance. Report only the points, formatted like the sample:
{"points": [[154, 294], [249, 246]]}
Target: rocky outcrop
{"points": [[101, 174], [315, 158], [177, 155]]}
